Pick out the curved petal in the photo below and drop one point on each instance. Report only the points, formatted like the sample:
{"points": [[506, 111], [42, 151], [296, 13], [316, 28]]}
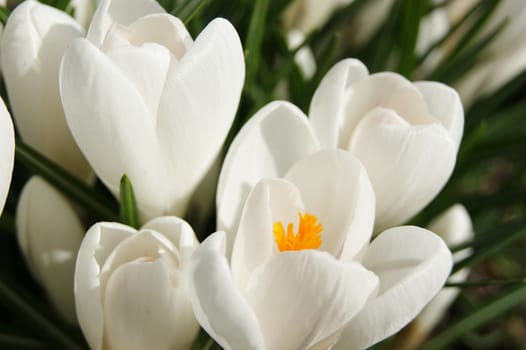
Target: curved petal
{"points": [[111, 123], [271, 141], [84, 10], [445, 105], [271, 200], [218, 305], [178, 231], [412, 264], [146, 307], [327, 108], [407, 165], [201, 93], [96, 246], [36, 36], [124, 12], [7, 152], [453, 225], [335, 187], [302, 298], [163, 29], [49, 233]]}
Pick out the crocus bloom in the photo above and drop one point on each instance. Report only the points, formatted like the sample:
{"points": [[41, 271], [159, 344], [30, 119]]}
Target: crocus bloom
{"points": [[49, 233], [454, 227], [275, 138], [33, 43], [303, 274], [7, 152], [142, 98], [130, 286], [406, 134]]}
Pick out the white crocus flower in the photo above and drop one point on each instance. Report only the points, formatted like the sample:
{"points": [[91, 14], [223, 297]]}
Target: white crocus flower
{"points": [[454, 227], [130, 286], [49, 234], [276, 137], [406, 134], [33, 43], [142, 98], [7, 152], [324, 285]]}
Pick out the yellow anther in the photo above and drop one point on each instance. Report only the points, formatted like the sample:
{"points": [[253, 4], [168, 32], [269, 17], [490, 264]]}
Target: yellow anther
{"points": [[308, 236]]}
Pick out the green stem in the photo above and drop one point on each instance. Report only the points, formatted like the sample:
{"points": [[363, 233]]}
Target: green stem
{"points": [[72, 187]]}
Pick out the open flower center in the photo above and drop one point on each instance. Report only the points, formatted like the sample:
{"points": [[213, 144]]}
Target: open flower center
{"points": [[308, 236]]}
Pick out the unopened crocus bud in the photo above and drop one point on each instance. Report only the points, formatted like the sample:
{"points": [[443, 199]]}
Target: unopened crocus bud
{"points": [[49, 234], [33, 43]]}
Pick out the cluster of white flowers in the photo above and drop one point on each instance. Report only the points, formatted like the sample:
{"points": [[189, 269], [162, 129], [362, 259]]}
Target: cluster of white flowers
{"points": [[308, 254]]}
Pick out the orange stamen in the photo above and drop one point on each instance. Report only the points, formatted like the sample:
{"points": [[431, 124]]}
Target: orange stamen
{"points": [[308, 236]]}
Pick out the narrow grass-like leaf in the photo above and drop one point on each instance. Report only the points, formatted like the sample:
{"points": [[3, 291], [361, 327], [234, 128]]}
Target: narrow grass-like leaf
{"points": [[485, 283], [454, 68], [464, 55], [4, 15], [202, 341], [384, 40], [11, 299], [254, 40], [496, 307], [492, 247], [472, 12], [412, 11], [188, 9], [14, 341], [72, 187], [7, 223], [129, 212]]}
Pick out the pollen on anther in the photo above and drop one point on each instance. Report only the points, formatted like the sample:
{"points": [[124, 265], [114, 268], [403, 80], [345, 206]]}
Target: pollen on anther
{"points": [[307, 237]]}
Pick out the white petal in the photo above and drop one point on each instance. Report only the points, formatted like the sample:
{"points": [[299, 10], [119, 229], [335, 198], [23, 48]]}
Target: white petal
{"points": [[148, 77], [36, 36], [201, 93], [49, 234], [276, 137], [98, 243], [327, 109], [7, 152], [304, 58], [84, 10], [454, 227], [218, 305], [412, 264], [124, 12], [335, 187], [302, 298], [110, 121], [178, 231], [146, 307], [444, 104], [407, 164], [271, 200]]}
